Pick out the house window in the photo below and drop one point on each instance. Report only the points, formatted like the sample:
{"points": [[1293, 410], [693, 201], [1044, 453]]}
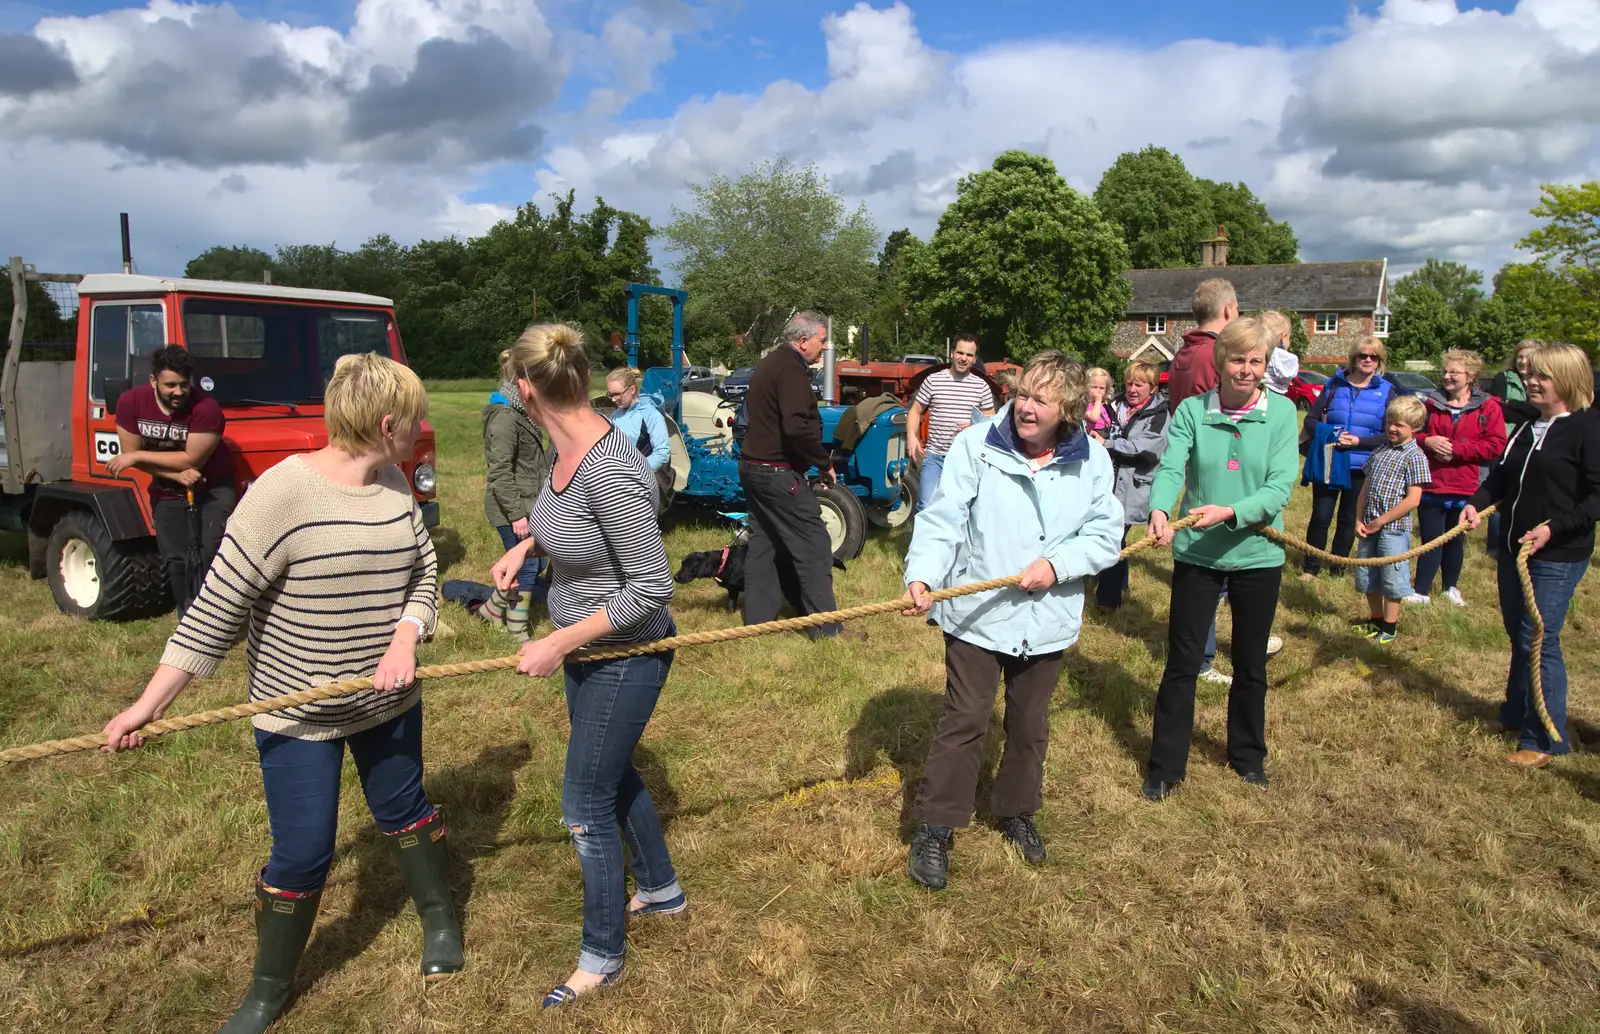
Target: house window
{"points": [[1327, 323], [1155, 324], [1380, 324]]}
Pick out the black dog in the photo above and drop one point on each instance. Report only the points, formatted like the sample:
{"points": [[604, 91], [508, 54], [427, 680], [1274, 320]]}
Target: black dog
{"points": [[725, 567]]}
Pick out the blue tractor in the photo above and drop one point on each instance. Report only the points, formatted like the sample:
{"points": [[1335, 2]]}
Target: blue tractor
{"points": [[871, 470]]}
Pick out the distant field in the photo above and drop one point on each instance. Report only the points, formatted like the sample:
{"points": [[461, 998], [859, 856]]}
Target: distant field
{"points": [[1397, 877]]}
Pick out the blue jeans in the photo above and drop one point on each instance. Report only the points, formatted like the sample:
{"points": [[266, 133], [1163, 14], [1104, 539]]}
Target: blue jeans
{"points": [[532, 568], [1113, 582], [1437, 515], [1554, 583], [301, 778], [932, 469], [609, 703]]}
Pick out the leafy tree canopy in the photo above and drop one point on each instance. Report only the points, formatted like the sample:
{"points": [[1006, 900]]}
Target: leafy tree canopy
{"points": [[1254, 237], [1567, 247], [1163, 211], [1460, 286]]}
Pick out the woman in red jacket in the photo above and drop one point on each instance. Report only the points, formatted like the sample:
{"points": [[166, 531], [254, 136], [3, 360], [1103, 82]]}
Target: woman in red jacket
{"points": [[1465, 430]]}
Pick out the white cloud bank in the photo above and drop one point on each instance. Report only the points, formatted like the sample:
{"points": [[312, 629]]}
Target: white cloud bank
{"points": [[1420, 130]]}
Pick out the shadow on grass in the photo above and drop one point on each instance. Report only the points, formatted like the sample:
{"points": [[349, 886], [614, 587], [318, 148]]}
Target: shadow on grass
{"points": [[1414, 1015], [14, 549], [474, 798], [448, 547]]}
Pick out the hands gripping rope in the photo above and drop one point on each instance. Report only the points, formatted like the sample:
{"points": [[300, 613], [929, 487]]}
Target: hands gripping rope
{"points": [[50, 748]]}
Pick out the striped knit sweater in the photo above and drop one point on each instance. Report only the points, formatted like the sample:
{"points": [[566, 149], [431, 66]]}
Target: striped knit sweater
{"points": [[314, 576], [604, 545]]}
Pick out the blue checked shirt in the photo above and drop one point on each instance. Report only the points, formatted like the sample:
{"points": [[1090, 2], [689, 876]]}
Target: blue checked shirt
{"points": [[1391, 471]]}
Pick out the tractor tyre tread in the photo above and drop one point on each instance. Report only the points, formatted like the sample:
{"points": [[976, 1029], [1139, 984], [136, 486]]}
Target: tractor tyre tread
{"points": [[133, 584]]}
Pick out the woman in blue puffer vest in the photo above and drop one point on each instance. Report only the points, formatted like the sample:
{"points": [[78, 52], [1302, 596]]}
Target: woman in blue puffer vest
{"points": [[1354, 401]]}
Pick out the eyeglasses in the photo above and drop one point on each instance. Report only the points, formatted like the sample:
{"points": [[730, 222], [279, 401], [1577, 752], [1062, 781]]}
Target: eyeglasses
{"points": [[1368, 355], [617, 394]]}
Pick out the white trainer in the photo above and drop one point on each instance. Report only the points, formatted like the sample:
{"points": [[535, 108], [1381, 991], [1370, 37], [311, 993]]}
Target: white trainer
{"points": [[1274, 644], [1453, 594], [1213, 675], [1417, 598]]}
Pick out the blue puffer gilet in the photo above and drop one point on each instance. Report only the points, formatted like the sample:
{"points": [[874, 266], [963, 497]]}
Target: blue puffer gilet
{"points": [[1360, 410]]}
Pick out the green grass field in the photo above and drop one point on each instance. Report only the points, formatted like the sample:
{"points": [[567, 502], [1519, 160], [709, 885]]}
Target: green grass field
{"points": [[1397, 877]]}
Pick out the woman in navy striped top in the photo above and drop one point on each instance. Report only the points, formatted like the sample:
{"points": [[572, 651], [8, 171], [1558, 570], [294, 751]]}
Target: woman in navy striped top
{"points": [[596, 521]]}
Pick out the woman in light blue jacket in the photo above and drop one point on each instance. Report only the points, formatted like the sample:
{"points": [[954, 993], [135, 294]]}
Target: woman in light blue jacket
{"points": [[638, 419], [1025, 492]]}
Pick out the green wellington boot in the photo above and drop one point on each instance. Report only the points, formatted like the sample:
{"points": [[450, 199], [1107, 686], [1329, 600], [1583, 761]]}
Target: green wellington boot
{"points": [[283, 925], [425, 864]]}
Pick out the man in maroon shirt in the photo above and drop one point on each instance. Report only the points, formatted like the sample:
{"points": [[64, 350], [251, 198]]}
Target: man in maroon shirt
{"points": [[1194, 370], [172, 431]]}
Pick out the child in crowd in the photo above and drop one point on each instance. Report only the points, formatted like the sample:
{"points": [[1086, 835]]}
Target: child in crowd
{"points": [[1282, 364], [1397, 472], [1100, 417]]}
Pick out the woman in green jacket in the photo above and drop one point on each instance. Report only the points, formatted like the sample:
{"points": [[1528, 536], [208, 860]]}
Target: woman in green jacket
{"points": [[1233, 453], [518, 465]]}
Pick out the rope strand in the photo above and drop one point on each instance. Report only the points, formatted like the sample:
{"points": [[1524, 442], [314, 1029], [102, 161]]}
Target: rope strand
{"points": [[165, 726]]}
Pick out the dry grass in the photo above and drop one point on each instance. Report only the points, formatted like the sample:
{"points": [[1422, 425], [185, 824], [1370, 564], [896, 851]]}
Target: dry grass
{"points": [[1397, 877]]}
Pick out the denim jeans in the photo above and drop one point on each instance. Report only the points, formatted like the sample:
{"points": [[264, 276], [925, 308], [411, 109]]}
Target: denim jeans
{"points": [[1112, 583], [932, 469], [602, 796], [1336, 507], [1391, 581], [1437, 515], [532, 568], [301, 778], [1554, 583]]}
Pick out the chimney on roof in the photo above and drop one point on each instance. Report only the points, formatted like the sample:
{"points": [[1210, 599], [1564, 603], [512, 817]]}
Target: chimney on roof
{"points": [[1214, 252]]}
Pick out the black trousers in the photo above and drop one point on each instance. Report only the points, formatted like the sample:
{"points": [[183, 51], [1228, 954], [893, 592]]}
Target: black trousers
{"points": [[1324, 503], [972, 679], [1253, 598], [171, 518], [789, 557]]}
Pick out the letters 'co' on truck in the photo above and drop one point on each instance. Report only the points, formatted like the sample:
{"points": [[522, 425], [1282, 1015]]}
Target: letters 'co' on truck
{"points": [[263, 352]]}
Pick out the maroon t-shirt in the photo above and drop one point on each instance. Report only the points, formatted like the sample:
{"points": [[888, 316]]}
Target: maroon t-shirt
{"points": [[138, 412]]}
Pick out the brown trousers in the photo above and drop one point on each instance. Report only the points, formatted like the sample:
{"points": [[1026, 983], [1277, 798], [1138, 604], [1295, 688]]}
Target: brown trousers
{"points": [[972, 680]]}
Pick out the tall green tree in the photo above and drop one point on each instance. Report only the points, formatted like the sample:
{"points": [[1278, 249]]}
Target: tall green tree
{"points": [[1460, 286], [896, 328], [755, 249], [1568, 246], [1025, 261], [1495, 327], [239, 264], [1163, 212], [1254, 237], [1422, 324]]}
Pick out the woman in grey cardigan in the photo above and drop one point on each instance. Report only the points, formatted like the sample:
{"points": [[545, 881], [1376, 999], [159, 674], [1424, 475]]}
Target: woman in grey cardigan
{"points": [[1135, 440]]}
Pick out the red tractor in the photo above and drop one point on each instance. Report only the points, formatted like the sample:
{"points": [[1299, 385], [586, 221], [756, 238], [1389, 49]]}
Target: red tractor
{"points": [[78, 341]]}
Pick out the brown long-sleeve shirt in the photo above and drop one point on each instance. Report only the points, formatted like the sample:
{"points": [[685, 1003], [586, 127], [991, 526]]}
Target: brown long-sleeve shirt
{"points": [[784, 425]]}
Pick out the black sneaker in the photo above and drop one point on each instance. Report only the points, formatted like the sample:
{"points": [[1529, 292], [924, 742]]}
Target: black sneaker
{"points": [[1023, 836], [1256, 778], [929, 863], [1158, 790]]}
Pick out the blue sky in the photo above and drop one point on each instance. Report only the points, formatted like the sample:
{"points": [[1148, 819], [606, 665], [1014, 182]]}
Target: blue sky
{"points": [[1406, 128]]}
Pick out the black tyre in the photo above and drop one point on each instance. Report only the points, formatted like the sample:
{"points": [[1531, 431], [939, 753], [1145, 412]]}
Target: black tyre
{"points": [[93, 577], [36, 547], [845, 520], [1302, 405], [900, 514]]}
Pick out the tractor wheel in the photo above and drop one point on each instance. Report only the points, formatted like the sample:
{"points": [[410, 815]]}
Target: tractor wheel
{"points": [[897, 515], [93, 577], [845, 520]]}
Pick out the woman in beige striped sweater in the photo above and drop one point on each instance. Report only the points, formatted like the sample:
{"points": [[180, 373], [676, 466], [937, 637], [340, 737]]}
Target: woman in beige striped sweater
{"points": [[327, 573]]}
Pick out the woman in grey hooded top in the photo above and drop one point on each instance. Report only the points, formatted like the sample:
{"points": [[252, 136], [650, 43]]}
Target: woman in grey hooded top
{"points": [[1135, 440]]}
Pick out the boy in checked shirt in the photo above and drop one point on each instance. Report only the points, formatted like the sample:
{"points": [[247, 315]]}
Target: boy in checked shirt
{"points": [[1396, 475]]}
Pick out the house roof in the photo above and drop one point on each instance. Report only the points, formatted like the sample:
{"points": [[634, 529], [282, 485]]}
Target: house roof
{"points": [[1305, 287]]}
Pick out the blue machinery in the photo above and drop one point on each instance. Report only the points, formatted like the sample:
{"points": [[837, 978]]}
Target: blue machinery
{"points": [[671, 391]]}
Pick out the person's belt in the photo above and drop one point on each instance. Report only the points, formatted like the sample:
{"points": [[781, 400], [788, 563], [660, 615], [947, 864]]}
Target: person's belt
{"points": [[764, 463]]}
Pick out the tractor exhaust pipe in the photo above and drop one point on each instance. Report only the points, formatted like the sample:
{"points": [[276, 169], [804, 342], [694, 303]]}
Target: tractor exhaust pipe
{"points": [[127, 248], [829, 358]]}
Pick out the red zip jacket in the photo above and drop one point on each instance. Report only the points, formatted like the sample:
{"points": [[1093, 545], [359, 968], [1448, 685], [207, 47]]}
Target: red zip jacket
{"points": [[1478, 436]]}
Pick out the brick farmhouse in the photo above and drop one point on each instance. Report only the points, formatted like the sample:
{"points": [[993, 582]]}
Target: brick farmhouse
{"points": [[1340, 302]]}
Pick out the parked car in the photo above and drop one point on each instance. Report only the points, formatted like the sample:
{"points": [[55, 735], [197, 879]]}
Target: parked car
{"points": [[698, 378], [922, 360], [1306, 387], [1407, 382], [734, 386]]}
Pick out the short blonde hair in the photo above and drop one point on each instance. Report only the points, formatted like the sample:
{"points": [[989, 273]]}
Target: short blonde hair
{"points": [[1139, 370], [1277, 321], [628, 376], [550, 357], [362, 391], [1407, 409], [1373, 344], [1241, 337], [1064, 377], [1569, 371], [1211, 297], [1472, 361]]}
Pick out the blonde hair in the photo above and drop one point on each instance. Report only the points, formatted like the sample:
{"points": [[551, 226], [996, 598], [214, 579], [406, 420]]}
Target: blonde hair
{"points": [[1211, 297], [1241, 337], [362, 391], [1471, 360], [1100, 371], [1055, 372], [1277, 321], [1139, 370], [1527, 344], [1407, 409], [1569, 371], [1375, 344], [550, 357], [628, 376]]}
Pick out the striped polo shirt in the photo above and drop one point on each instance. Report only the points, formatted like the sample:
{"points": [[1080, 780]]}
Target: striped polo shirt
{"points": [[949, 401]]}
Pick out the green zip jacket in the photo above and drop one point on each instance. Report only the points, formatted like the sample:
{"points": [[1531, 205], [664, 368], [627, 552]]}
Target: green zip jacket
{"points": [[518, 462], [1250, 465]]}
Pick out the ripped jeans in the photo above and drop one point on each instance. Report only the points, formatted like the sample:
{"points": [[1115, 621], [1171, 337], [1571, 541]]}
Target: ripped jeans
{"points": [[604, 802]]}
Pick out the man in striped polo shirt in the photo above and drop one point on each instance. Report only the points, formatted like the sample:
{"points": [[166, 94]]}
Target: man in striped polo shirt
{"points": [[948, 397]]}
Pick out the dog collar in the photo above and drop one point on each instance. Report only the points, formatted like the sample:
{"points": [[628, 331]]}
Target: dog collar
{"points": [[721, 567]]}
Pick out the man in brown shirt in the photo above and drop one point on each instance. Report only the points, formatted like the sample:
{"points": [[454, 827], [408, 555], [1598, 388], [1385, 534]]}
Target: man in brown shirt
{"points": [[790, 557], [1194, 371]]}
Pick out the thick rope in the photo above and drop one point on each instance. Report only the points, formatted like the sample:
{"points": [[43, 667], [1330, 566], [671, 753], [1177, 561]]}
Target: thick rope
{"points": [[1536, 651], [164, 726]]}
